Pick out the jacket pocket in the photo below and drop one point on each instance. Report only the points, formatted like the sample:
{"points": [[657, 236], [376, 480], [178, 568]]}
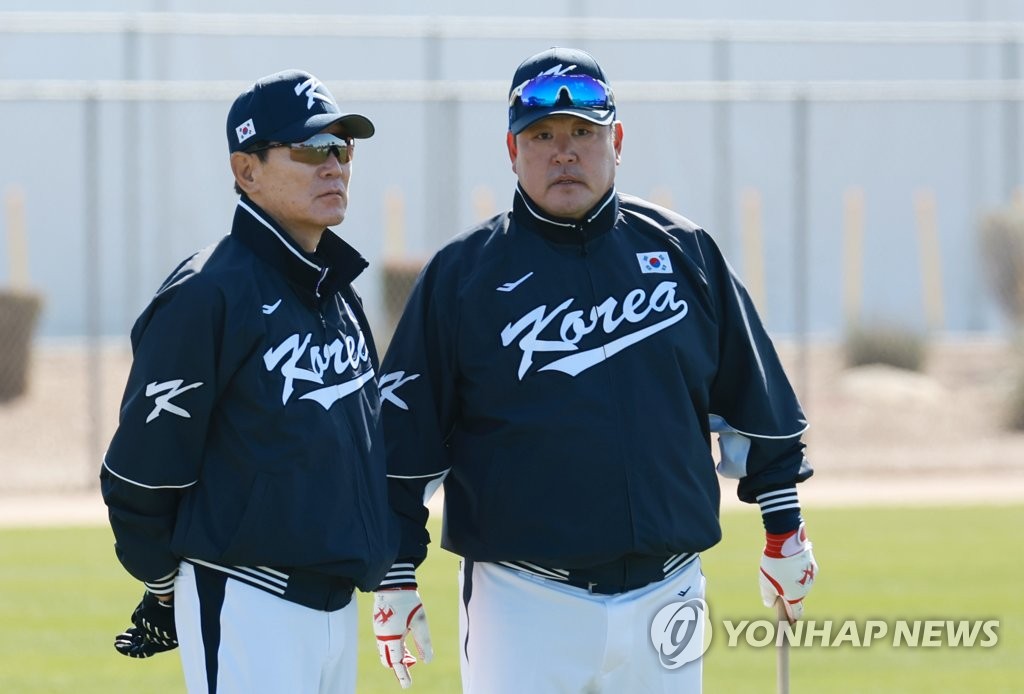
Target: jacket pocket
{"points": [[252, 531]]}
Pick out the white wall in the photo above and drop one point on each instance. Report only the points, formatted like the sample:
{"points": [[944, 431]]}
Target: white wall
{"points": [[178, 162]]}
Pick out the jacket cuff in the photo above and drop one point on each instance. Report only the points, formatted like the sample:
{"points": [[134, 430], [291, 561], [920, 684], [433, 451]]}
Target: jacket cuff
{"points": [[162, 586], [402, 574], [780, 510]]}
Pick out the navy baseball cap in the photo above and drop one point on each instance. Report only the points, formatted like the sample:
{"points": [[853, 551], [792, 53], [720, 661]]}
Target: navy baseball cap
{"points": [[288, 106], [559, 81]]}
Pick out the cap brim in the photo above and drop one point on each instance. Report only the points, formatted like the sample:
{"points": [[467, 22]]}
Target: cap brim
{"points": [[355, 125], [597, 116]]}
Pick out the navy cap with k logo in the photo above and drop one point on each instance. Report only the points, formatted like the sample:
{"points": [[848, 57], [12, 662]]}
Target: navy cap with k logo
{"points": [[287, 106], [559, 81]]}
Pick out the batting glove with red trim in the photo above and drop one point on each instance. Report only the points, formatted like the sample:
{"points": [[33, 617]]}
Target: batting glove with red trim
{"points": [[788, 571], [396, 614]]}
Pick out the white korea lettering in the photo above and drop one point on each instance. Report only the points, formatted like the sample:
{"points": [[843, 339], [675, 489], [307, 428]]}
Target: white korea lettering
{"points": [[531, 342], [575, 325], [341, 355], [347, 355]]}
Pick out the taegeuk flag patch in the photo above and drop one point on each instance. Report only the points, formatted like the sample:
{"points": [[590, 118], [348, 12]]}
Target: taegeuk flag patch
{"points": [[654, 263], [245, 131]]}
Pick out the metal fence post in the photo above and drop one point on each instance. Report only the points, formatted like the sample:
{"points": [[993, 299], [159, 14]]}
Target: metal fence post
{"points": [[1011, 121], [721, 128], [801, 239], [93, 309], [441, 167], [132, 174]]}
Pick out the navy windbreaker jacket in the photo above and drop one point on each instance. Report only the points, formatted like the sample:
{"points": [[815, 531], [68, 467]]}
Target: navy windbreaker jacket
{"points": [[563, 380], [249, 433]]}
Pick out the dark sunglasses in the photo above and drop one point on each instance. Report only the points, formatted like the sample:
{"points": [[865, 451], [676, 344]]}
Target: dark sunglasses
{"points": [[316, 149], [548, 91]]}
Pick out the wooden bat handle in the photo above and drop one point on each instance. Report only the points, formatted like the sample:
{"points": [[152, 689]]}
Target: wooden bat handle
{"points": [[781, 649]]}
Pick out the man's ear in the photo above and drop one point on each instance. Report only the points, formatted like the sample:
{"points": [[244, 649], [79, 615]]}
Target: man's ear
{"points": [[244, 166], [617, 134], [513, 150]]}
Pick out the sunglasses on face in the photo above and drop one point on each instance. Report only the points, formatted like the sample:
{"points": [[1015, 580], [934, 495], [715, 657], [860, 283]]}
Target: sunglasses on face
{"points": [[548, 91], [316, 149]]}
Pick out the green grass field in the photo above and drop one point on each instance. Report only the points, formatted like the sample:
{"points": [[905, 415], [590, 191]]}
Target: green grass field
{"points": [[63, 597]]}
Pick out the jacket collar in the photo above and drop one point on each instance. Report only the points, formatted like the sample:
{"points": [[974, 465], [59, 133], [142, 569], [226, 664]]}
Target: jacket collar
{"points": [[599, 219], [316, 276]]}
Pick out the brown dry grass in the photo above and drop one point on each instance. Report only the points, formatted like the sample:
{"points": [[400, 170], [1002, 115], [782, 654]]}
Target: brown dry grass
{"points": [[950, 417]]}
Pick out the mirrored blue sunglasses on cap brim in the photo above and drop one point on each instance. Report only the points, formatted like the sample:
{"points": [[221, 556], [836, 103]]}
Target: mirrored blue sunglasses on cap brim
{"points": [[548, 91]]}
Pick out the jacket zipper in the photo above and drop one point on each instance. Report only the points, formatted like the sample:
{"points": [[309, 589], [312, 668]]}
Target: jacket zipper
{"points": [[583, 239], [319, 301]]}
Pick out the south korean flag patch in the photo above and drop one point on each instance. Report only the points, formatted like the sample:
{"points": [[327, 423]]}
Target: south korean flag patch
{"points": [[245, 131], [654, 263]]}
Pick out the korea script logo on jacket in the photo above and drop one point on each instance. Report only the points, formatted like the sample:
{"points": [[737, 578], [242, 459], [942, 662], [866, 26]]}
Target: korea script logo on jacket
{"points": [[608, 316], [617, 321], [341, 357]]}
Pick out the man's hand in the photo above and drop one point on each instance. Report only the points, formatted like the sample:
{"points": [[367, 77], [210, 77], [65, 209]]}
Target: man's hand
{"points": [[396, 613], [788, 571], [153, 631]]}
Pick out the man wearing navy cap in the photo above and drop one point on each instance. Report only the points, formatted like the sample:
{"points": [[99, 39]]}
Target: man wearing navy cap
{"points": [[560, 369], [246, 480]]}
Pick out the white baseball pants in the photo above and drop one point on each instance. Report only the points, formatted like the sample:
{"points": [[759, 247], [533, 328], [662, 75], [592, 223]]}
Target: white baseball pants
{"points": [[236, 639], [523, 633]]}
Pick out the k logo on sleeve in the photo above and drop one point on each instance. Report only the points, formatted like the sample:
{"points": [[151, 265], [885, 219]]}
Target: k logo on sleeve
{"points": [[163, 393]]}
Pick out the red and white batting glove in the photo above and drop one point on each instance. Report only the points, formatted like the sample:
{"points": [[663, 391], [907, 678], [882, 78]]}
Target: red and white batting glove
{"points": [[788, 571], [396, 614]]}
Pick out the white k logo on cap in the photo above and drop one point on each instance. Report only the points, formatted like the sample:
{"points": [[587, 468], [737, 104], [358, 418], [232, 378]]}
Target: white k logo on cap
{"points": [[557, 70], [311, 85]]}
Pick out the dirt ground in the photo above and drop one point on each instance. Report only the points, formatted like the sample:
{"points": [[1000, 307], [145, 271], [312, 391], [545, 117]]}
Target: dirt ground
{"points": [[878, 435]]}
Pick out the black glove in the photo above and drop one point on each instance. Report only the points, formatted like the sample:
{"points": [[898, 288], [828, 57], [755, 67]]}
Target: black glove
{"points": [[153, 632]]}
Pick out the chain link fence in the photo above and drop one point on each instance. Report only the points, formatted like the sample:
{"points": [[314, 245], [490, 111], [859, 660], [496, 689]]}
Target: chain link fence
{"points": [[59, 397], [397, 278]]}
